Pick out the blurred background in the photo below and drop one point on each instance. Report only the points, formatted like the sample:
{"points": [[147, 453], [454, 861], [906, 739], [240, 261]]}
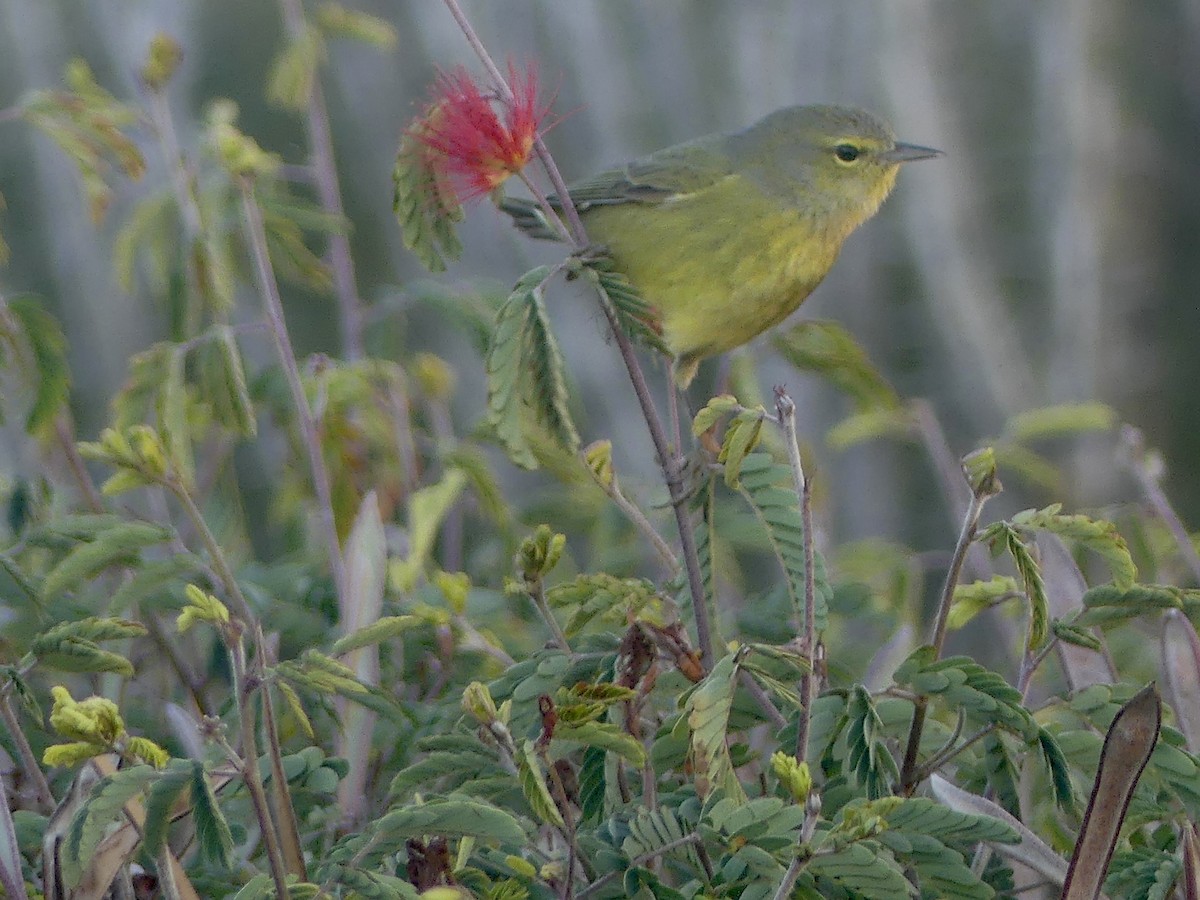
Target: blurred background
{"points": [[1053, 256]]}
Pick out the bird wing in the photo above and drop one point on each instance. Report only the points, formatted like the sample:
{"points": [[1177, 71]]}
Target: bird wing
{"points": [[664, 175]]}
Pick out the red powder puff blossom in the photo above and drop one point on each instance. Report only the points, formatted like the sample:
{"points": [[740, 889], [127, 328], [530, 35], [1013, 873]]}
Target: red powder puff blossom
{"points": [[471, 145]]}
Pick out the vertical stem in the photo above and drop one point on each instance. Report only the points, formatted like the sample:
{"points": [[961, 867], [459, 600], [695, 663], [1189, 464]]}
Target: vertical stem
{"points": [[11, 878], [970, 522], [658, 436], [538, 592], [233, 590], [786, 408], [33, 771], [257, 237], [249, 768], [285, 811], [324, 169]]}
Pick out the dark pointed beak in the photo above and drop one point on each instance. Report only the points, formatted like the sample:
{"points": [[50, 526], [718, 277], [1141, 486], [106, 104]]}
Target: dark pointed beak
{"points": [[903, 153]]}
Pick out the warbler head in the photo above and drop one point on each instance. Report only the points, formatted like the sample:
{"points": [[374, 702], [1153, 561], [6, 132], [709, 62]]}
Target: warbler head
{"points": [[835, 164]]}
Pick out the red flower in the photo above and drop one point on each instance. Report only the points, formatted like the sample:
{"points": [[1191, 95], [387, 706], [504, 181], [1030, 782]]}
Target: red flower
{"points": [[473, 146]]}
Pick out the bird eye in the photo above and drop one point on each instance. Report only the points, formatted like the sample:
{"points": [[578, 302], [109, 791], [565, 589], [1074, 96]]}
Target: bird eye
{"points": [[847, 153]]}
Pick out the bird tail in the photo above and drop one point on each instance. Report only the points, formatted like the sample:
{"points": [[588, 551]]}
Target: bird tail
{"points": [[529, 217]]}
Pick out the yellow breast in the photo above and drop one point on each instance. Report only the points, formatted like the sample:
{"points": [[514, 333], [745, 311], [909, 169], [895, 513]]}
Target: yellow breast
{"points": [[721, 265]]}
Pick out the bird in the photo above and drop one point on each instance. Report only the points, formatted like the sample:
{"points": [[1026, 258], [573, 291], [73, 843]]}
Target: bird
{"points": [[727, 234]]}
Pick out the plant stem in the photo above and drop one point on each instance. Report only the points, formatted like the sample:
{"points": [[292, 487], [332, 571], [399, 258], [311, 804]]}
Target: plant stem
{"points": [[33, 771], [662, 446], [233, 590], [639, 520], [11, 878], [940, 759], [324, 170], [970, 522], [285, 811], [257, 238], [248, 764], [537, 591], [786, 409]]}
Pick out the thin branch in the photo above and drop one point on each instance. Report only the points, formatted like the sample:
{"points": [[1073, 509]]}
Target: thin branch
{"points": [[257, 238], [324, 172], [965, 537], [537, 592], [671, 470], [248, 764], [285, 810], [939, 759], [33, 771], [639, 520], [233, 590], [786, 408]]}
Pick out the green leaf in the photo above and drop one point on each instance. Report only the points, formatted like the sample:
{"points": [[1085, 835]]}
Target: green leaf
{"points": [[425, 205], [1098, 535], [506, 369], [212, 831], [1001, 772], [454, 817], [614, 600], [451, 768], [1056, 421], [222, 377], [153, 578], [1002, 535], [866, 868], [545, 372], [427, 509], [605, 736], [972, 599], [48, 346], [161, 800], [173, 403], [294, 71], [707, 716], [636, 318], [713, 411], [871, 425], [741, 437], [378, 631], [86, 121], [650, 830], [867, 755], [1060, 774], [1070, 633], [105, 804], [338, 21], [72, 647], [118, 544], [89, 629], [828, 350], [534, 787], [1108, 604], [964, 684], [778, 509], [1143, 872], [592, 784]]}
